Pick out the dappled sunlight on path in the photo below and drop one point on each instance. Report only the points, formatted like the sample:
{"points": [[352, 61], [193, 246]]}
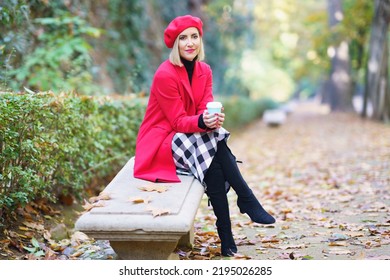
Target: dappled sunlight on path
{"points": [[325, 177]]}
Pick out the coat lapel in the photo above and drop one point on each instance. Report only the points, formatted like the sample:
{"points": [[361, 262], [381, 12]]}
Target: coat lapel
{"points": [[183, 76], [198, 82], [195, 89]]}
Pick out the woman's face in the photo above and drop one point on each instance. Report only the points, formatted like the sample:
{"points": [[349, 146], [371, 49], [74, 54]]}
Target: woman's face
{"points": [[189, 43]]}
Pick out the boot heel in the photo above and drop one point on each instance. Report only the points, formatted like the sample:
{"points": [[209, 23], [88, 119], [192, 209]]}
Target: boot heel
{"points": [[255, 211], [228, 246]]}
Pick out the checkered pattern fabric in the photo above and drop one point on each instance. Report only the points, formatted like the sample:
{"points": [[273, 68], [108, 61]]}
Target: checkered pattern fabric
{"points": [[194, 152]]}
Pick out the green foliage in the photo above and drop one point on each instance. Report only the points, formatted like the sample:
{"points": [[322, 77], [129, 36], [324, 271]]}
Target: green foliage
{"points": [[57, 144], [355, 28], [61, 59], [45, 53], [227, 36], [126, 43], [36, 249]]}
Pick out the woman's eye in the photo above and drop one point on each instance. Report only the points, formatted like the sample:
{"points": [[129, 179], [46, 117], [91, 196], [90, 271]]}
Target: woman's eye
{"points": [[195, 36], [182, 37]]}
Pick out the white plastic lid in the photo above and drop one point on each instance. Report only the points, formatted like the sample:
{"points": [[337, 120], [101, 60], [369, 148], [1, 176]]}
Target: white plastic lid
{"points": [[214, 104]]}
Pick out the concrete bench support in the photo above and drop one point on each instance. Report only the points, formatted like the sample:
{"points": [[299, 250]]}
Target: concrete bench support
{"points": [[133, 232]]}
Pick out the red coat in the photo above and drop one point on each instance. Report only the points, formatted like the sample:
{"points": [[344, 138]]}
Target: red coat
{"points": [[174, 106]]}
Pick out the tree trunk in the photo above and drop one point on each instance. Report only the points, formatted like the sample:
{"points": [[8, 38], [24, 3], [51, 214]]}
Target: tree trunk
{"points": [[377, 74], [338, 86]]}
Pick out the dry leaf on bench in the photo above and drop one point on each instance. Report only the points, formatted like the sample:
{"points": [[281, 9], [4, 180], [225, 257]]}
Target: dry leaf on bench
{"points": [[158, 212], [154, 188], [88, 206], [138, 199], [101, 196]]}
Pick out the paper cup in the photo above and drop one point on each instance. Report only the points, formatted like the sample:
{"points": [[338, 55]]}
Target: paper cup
{"points": [[214, 107]]}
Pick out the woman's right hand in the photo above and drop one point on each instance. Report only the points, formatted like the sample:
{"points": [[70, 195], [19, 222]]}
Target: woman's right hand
{"points": [[213, 121]]}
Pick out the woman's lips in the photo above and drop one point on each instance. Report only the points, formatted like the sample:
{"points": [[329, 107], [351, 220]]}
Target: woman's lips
{"points": [[190, 50]]}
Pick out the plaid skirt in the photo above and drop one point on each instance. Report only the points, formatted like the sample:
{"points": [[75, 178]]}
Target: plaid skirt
{"points": [[194, 152]]}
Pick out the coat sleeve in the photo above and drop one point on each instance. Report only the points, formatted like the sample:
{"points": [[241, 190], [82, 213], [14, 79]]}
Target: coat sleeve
{"points": [[166, 92]]}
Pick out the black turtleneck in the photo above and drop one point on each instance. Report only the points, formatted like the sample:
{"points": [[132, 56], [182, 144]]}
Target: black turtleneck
{"points": [[189, 65]]}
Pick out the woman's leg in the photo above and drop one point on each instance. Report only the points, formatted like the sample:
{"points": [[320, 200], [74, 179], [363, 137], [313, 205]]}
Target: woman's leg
{"points": [[246, 201], [216, 192]]}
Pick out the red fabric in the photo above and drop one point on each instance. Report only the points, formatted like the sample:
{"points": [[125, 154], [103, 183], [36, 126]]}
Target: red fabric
{"points": [[178, 25], [174, 106]]}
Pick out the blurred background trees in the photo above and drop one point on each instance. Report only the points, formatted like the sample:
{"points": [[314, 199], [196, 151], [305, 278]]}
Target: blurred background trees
{"points": [[279, 49]]}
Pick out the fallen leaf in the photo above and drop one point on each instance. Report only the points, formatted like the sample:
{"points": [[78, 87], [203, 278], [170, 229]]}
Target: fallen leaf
{"points": [[355, 234], [270, 239], [24, 228], [338, 237], [338, 243], [262, 250], [380, 257], [336, 251], [47, 235], [78, 238], [101, 196], [238, 256], [291, 246], [138, 199], [269, 245], [200, 257], [154, 188], [34, 225], [88, 206], [30, 209], [22, 235], [77, 254], [158, 212]]}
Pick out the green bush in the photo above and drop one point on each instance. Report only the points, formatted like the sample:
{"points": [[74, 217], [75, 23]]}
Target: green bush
{"points": [[242, 110], [57, 144]]}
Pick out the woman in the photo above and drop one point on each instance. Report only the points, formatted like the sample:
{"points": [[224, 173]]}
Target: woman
{"points": [[178, 135]]}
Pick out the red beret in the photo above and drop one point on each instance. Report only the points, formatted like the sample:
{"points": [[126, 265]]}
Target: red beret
{"points": [[178, 25]]}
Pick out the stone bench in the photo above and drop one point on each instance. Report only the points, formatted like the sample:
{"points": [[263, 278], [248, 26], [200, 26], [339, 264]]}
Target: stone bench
{"points": [[274, 117], [133, 231]]}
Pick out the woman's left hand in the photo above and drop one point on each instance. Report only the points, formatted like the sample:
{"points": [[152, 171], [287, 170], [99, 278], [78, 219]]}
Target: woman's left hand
{"points": [[220, 119]]}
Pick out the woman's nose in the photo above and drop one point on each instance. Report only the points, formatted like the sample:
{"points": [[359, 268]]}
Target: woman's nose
{"points": [[189, 42]]}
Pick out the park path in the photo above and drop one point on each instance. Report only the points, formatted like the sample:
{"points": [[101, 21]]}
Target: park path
{"points": [[326, 179]]}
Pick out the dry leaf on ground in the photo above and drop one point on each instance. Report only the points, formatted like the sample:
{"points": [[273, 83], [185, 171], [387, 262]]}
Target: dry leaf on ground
{"points": [[34, 225]]}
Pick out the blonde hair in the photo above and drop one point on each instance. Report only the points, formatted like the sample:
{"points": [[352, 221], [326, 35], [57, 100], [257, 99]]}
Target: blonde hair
{"points": [[174, 56]]}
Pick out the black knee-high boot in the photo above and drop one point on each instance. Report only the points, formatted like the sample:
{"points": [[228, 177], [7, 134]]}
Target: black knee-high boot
{"points": [[247, 202], [216, 192]]}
